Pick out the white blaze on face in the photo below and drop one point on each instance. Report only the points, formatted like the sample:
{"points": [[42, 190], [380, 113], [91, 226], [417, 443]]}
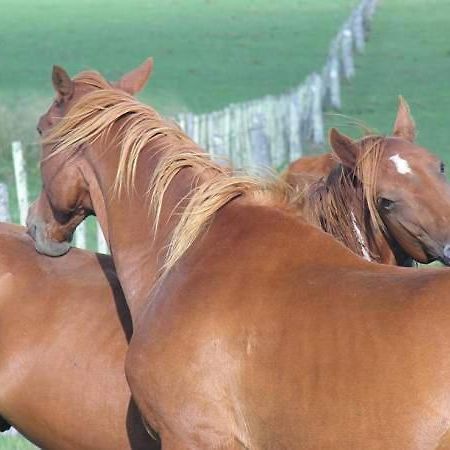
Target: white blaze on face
{"points": [[401, 164]]}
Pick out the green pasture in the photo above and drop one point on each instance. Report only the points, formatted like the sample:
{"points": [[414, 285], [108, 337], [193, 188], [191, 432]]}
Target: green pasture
{"points": [[208, 53], [408, 54]]}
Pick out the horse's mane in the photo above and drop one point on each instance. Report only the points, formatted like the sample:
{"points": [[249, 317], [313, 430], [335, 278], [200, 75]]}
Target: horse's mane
{"points": [[92, 118], [344, 203]]}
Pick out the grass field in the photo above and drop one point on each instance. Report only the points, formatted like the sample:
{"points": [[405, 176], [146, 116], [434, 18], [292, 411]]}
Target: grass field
{"points": [[207, 53], [409, 54]]}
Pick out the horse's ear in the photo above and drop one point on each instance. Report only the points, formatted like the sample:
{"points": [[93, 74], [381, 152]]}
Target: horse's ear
{"points": [[134, 81], [404, 126], [61, 81], [344, 147]]}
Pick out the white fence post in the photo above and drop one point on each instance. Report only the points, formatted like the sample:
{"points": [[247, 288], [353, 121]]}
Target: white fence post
{"points": [[317, 117], [260, 144], [334, 82], [4, 204], [181, 119], [21, 180], [347, 53], [295, 142], [80, 235], [102, 246], [358, 29], [195, 128]]}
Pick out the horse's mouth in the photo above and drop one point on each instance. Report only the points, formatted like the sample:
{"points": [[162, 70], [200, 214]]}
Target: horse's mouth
{"points": [[43, 244], [444, 260]]}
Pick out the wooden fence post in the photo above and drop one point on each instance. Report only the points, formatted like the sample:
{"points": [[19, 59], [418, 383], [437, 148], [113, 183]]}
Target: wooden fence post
{"points": [[21, 180], [295, 141], [5, 216], [371, 6], [259, 141], [347, 53], [368, 10], [358, 28], [317, 115], [181, 119], [219, 138], [195, 128], [189, 124], [102, 246], [235, 129], [80, 236], [227, 134], [334, 82]]}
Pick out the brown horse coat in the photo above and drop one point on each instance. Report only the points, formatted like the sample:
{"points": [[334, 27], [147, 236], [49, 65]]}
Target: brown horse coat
{"points": [[385, 198], [261, 332], [64, 327]]}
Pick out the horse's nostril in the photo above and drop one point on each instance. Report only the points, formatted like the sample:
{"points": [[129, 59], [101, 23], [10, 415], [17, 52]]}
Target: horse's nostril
{"points": [[32, 231]]}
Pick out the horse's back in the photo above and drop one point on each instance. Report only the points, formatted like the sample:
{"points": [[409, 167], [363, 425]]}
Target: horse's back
{"points": [[292, 352], [63, 338]]}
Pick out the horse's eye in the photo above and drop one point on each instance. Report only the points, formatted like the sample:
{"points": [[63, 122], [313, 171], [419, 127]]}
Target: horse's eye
{"points": [[442, 167], [386, 204]]}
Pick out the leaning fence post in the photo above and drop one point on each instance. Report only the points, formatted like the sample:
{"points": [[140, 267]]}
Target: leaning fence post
{"points": [[21, 180], [317, 117], [295, 144], [102, 246], [259, 141], [334, 86], [347, 53], [80, 235], [195, 128], [358, 29], [4, 204]]}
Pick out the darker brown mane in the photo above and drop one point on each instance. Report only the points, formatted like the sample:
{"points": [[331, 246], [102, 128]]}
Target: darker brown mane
{"points": [[344, 203]]}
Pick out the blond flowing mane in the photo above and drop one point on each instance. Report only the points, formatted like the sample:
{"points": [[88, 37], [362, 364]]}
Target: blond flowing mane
{"points": [[344, 204], [142, 129]]}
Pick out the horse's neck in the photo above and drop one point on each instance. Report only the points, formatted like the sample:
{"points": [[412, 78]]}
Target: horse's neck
{"points": [[391, 253], [385, 250], [138, 251], [367, 241]]}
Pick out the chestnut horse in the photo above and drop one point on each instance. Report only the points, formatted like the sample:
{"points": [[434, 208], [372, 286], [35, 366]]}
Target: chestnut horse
{"points": [[388, 200], [252, 328], [64, 330]]}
